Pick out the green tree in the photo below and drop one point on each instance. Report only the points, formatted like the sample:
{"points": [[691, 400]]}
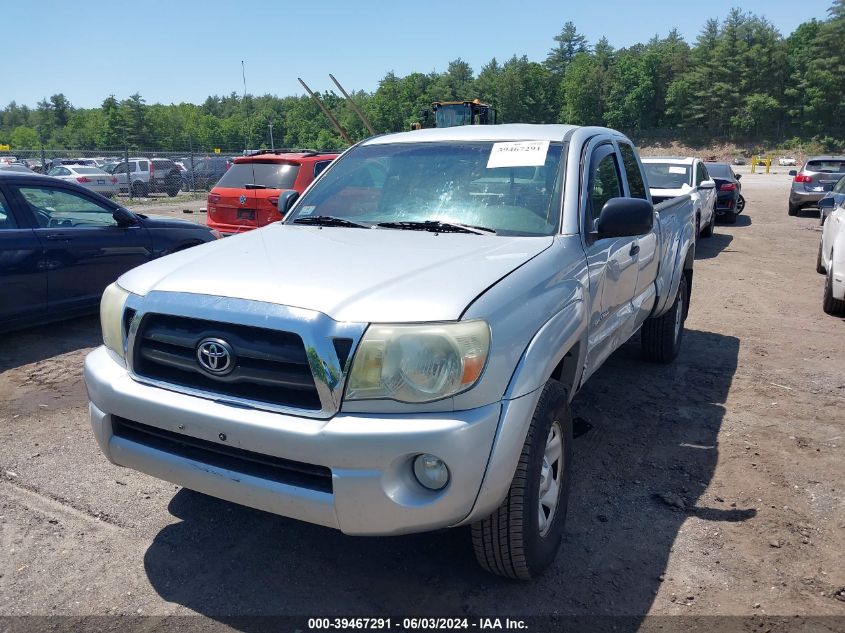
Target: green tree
{"points": [[569, 44]]}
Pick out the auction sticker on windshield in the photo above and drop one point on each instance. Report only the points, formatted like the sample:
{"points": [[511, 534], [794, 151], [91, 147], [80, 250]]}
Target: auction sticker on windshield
{"points": [[518, 154]]}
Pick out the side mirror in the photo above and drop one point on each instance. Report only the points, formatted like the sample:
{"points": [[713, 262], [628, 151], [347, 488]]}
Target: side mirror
{"points": [[707, 184], [793, 172], [625, 217], [827, 203], [124, 217], [286, 200], [738, 176]]}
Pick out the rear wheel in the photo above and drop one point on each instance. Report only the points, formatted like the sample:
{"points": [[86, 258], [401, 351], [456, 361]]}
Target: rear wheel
{"points": [[661, 336], [830, 304], [793, 209], [521, 538], [740, 204], [139, 189]]}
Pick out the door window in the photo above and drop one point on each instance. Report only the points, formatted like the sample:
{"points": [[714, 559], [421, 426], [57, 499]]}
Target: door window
{"points": [[133, 166], [7, 221], [605, 183], [700, 174], [840, 186], [145, 166], [636, 186], [60, 208]]}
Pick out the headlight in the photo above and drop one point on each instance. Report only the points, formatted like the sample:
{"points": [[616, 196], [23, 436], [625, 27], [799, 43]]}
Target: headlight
{"points": [[217, 234], [111, 317], [418, 363]]}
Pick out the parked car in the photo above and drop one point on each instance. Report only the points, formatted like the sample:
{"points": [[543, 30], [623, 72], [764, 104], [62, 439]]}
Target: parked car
{"points": [[818, 176], [739, 160], [149, 175], [729, 200], [786, 161], [89, 177], [18, 167], [62, 244], [832, 199], [399, 354], [206, 172], [670, 177], [247, 195], [831, 261]]}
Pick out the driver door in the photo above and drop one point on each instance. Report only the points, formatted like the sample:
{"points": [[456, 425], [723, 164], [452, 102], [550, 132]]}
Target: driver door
{"points": [[613, 261], [84, 247]]}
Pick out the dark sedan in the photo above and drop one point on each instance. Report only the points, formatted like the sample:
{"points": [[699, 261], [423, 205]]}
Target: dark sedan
{"points": [[729, 200], [61, 245]]}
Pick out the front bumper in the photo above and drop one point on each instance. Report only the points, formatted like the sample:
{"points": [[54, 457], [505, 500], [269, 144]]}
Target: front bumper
{"points": [[373, 489]]}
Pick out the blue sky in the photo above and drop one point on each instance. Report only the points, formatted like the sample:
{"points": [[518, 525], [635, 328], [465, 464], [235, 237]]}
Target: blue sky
{"points": [[184, 50]]}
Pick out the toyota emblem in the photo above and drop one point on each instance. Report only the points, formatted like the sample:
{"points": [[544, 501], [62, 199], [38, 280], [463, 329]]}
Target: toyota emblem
{"points": [[215, 356]]}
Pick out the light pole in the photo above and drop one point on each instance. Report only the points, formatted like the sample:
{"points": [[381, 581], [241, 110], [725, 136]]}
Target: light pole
{"points": [[272, 146]]}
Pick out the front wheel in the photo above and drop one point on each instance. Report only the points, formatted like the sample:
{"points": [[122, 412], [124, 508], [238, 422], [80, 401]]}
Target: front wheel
{"points": [[819, 264], [830, 304], [708, 230], [521, 538], [661, 336]]}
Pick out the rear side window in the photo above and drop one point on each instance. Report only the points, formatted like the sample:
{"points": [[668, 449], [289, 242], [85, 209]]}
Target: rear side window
{"points": [[632, 171], [320, 167], [700, 174], [827, 166], [162, 164], [144, 165], [264, 175], [7, 221]]}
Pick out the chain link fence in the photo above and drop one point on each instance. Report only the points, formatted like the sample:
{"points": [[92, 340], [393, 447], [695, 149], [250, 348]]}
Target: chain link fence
{"points": [[197, 171]]}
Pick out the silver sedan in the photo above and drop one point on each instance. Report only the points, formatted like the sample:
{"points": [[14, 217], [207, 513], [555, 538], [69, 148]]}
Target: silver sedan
{"points": [[91, 178]]}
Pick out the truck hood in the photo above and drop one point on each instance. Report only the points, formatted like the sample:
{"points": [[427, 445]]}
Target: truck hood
{"points": [[360, 275]]}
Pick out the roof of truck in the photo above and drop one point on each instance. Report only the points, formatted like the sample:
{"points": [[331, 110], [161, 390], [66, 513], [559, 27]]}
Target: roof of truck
{"points": [[506, 132]]}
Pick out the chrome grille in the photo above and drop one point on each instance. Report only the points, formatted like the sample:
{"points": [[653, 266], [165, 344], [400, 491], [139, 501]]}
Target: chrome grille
{"points": [[270, 366]]}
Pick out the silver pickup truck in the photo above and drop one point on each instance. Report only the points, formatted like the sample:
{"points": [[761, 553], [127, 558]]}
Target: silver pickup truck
{"points": [[399, 353]]}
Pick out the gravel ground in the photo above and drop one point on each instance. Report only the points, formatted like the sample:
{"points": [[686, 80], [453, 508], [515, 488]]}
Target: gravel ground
{"points": [[709, 487]]}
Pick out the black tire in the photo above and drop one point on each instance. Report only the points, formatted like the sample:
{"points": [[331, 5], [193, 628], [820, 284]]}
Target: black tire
{"points": [[819, 267], [139, 190], [793, 209], [661, 336], [740, 205], [509, 542], [708, 230], [172, 192], [829, 304]]}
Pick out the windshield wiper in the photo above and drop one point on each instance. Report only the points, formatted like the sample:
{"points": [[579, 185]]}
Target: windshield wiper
{"points": [[436, 226], [328, 220]]}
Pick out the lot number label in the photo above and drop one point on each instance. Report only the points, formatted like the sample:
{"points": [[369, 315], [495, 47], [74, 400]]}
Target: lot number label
{"points": [[518, 154]]}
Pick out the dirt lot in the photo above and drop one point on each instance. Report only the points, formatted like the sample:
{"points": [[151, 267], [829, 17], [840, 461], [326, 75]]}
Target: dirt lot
{"points": [[711, 486]]}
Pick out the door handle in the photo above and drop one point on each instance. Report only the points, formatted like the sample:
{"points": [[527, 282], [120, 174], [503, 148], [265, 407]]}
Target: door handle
{"points": [[635, 248], [58, 237]]}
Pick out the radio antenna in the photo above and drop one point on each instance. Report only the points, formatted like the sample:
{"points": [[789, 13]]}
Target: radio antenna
{"points": [[246, 108]]}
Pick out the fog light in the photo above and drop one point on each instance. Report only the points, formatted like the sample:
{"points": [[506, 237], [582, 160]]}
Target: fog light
{"points": [[431, 472]]}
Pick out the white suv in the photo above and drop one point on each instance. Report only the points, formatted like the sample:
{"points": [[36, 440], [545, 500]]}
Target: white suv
{"points": [[149, 175]]}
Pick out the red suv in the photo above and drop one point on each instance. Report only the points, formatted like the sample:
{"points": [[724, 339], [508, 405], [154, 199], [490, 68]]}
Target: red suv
{"points": [[246, 196]]}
